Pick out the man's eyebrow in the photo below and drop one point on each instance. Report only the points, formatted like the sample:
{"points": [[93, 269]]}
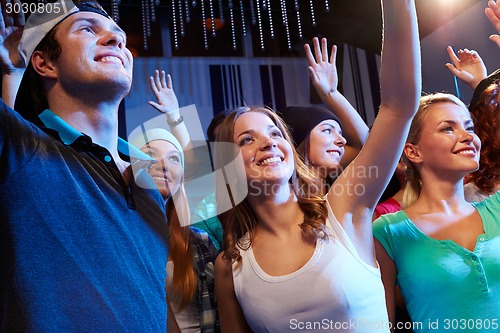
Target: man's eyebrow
{"points": [[96, 22]]}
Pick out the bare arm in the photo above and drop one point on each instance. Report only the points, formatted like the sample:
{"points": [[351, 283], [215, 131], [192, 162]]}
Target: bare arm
{"points": [[230, 313], [162, 88], [324, 78], [493, 14], [467, 65], [11, 65], [172, 326], [372, 169], [389, 273]]}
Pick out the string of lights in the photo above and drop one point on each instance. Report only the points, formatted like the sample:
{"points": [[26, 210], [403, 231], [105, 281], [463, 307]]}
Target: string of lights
{"points": [[215, 14]]}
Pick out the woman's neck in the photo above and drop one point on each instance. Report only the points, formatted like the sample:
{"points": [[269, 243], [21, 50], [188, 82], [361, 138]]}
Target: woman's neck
{"points": [[441, 195], [278, 212]]}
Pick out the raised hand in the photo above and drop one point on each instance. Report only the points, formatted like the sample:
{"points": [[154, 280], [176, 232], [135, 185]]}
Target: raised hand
{"points": [[324, 77], [493, 14], [11, 29], [322, 68], [467, 65], [161, 85]]}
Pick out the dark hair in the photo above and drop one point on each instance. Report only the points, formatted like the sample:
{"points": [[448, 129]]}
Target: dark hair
{"points": [[50, 46], [485, 112], [216, 121]]}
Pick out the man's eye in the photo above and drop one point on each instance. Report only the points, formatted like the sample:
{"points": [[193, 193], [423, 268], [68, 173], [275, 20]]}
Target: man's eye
{"points": [[87, 29]]}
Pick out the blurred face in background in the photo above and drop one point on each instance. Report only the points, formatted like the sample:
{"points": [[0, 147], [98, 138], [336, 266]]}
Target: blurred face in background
{"points": [[168, 172], [326, 147]]}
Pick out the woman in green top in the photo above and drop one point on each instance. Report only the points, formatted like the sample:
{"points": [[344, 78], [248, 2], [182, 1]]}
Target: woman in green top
{"points": [[443, 252]]}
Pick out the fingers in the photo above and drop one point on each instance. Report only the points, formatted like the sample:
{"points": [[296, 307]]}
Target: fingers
{"points": [[309, 55], [161, 81], [463, 55], [19, 16], [317, 49], [333, 56], [320, 52], [2, 13], [169, 81], [152, 84], [5, 19], [313, 74], [452, 55], [158, 79], [452, 69], [495, 39], [324, 50], [156, 106], [493, 14]]}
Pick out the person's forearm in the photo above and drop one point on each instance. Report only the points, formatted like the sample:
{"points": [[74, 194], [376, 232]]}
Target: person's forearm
{"points": [[10, 86], [354, 128]]}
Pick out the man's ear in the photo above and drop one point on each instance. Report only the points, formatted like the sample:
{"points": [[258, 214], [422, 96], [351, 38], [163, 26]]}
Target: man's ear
{"points": [[412, 153], [43, 65]]}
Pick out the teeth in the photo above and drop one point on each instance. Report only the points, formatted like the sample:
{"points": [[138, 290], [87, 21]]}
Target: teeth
{"points": [[271, 160], [111, 59], [468, 151], [161, 179], [333, 153]]}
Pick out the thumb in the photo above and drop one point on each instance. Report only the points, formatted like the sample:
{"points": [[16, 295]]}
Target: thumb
{"points": [[495, 39], [452, 69], [155, 105]]}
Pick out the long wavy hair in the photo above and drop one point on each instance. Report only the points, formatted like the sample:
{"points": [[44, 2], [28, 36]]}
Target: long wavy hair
{"points": [[242, 219], [185, 278], [413, 185], [485, 114]]}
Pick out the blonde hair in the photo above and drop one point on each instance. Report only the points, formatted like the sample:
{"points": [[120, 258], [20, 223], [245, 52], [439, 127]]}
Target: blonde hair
{"points": [[413, 184], [242, 219]]}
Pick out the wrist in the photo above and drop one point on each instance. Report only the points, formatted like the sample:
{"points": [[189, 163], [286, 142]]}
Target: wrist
{"points": [[175, 122], [173, 115], [13, 71], [331, 95]]}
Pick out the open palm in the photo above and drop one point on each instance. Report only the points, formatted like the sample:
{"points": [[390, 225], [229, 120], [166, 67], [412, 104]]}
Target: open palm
{"points": [[322, 69], [11, 29]]}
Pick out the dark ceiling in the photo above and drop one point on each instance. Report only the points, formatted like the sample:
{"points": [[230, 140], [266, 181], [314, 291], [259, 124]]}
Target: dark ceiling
{"points": [[355, 22]]}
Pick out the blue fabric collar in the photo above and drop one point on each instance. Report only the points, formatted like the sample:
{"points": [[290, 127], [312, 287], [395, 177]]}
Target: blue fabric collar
{"points": [[69, 135]]}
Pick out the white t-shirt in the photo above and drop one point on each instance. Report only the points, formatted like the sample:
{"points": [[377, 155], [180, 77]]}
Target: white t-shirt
{"points": [[334, 291], [189, 318]]}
